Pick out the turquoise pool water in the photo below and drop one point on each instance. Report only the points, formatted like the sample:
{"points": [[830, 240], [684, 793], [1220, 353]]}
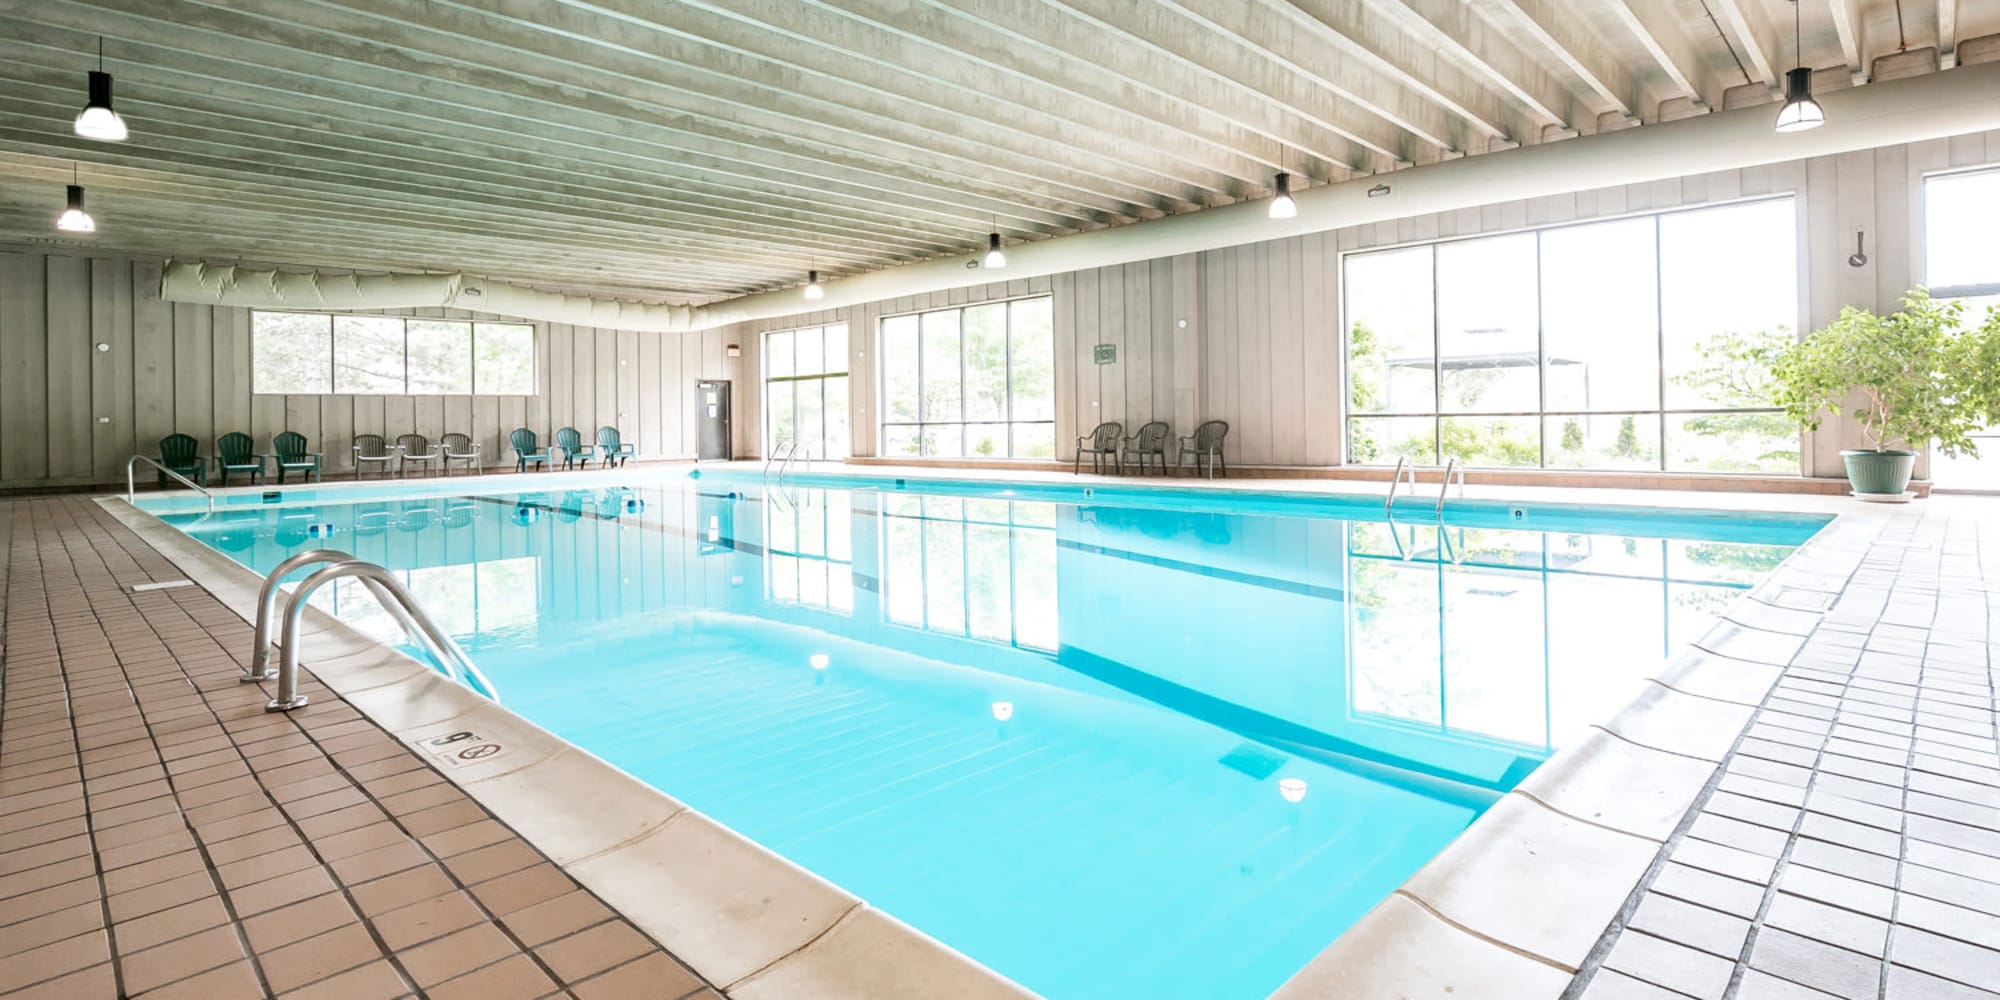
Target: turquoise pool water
{"points": [[1141, 743]]}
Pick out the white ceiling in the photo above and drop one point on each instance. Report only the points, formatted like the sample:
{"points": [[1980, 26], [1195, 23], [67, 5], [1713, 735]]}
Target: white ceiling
{"points": [[700, 150]]}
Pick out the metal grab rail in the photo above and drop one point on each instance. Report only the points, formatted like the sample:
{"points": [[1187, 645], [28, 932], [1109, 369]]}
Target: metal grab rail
{"points": [[1445, 484], [394, 597], [267, 604], [794, 453], [131, 486], [790, 447], [1396, 481]]}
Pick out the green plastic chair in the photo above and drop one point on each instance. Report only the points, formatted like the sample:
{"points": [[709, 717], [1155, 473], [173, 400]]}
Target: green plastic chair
{"points": [[525, 451], [233, 454], [179, 453], [612, 450], [570, 442], [293, 456]]}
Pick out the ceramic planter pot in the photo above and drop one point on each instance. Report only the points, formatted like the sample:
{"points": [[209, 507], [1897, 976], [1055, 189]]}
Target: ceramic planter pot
{"points": [[1879, 472]]}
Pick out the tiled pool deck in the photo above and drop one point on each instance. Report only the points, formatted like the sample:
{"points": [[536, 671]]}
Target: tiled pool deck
{"points": [[1850, 844], [1836, 740], [161, 836]]}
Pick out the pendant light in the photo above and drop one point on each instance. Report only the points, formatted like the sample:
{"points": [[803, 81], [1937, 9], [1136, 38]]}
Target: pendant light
{"points": [[74, 219], [97, 120], [1283, 207], [813, 289], [994, 258], [1800, 112]]}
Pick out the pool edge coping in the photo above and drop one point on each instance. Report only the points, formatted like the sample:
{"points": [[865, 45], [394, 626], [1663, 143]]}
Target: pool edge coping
{"points": [[745, 918], [1482, 905]]}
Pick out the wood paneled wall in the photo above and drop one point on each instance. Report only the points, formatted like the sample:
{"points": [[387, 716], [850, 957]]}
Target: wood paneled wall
{"points": [[72, 415], [1252, 334], [1247, 334]]}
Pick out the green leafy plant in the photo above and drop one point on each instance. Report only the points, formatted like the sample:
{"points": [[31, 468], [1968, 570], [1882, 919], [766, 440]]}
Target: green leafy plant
{"points": [[1919, 376]]}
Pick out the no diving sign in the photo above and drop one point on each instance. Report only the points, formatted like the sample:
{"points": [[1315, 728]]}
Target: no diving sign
{"points": [[460, 748]]}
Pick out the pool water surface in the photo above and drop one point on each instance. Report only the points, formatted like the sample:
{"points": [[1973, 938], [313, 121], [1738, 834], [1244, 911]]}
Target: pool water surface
{"points": [[1131, 744]]}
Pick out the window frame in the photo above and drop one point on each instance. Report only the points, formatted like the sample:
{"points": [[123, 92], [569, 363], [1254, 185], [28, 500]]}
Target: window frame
{"points": [[1664, 413], [882, 409], [766, 380], [1976, 290], [472, 350]]}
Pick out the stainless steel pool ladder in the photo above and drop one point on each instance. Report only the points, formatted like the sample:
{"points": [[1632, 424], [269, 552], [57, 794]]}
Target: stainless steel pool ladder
{"points": [[390, 592], [1403, 465], [131, 485], [792, 454], [789, 447], [1450, 469]]}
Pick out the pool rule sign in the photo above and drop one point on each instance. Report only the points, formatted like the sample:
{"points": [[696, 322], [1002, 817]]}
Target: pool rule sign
{"points": [[460, 748]]}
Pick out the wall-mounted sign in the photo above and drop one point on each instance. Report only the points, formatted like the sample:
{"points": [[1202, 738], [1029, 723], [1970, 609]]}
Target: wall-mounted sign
{"points": [[1105, 354]]}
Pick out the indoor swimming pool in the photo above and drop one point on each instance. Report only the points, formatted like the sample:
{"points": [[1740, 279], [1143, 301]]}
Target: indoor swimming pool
{"points": [[1108, 742]]}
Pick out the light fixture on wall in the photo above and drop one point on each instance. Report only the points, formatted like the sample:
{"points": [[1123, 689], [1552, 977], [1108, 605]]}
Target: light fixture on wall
{"points": [[813, 289], [74, 219], [97, 120], [1282, 206], [994, 258], [1800, 112]]}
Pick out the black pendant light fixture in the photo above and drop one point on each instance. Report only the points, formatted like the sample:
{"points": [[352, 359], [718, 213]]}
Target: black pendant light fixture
{"points": [[995, 259], [74, 219], [1800, 112], [814, 290], [1282, 206], [97, 120]]}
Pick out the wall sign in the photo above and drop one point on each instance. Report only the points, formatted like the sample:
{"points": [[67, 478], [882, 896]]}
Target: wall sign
{"points": [[1105, 354]]}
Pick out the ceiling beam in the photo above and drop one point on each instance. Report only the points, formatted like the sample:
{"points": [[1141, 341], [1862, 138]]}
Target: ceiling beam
{"points": [[1846, 16], [1461, 38], [1560, 33], [1172, 54], [1392, 50], [1668, 46], [1026, 38], [1947, 19], [1753, 37], [350, 70], [1280, 32], [928, 72], [263, 103]]}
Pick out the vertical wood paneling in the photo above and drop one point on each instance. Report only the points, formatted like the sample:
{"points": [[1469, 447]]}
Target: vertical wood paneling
{"points": [[111, 371], [1111, 318], [193, 374], [24, 414], [1065, 348], [68, 358]]}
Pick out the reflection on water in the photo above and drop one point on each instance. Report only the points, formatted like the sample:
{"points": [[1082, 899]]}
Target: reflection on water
{"points": [[1199, 742]]}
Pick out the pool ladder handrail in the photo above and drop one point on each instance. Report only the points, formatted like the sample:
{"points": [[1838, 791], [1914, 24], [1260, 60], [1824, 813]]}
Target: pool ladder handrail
{"points": [[131, 484], [389, 592], [787, 448], [786, 467], [1396, 482], [1444, 485]]}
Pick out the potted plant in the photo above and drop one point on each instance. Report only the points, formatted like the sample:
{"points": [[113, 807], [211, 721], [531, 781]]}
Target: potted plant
{"points": [[1917, 375]]}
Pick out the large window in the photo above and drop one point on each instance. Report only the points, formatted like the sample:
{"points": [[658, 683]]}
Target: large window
{"points": [[321, 354], [971, 382], [1627, 344], [1961, 214], [805, 391]]}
